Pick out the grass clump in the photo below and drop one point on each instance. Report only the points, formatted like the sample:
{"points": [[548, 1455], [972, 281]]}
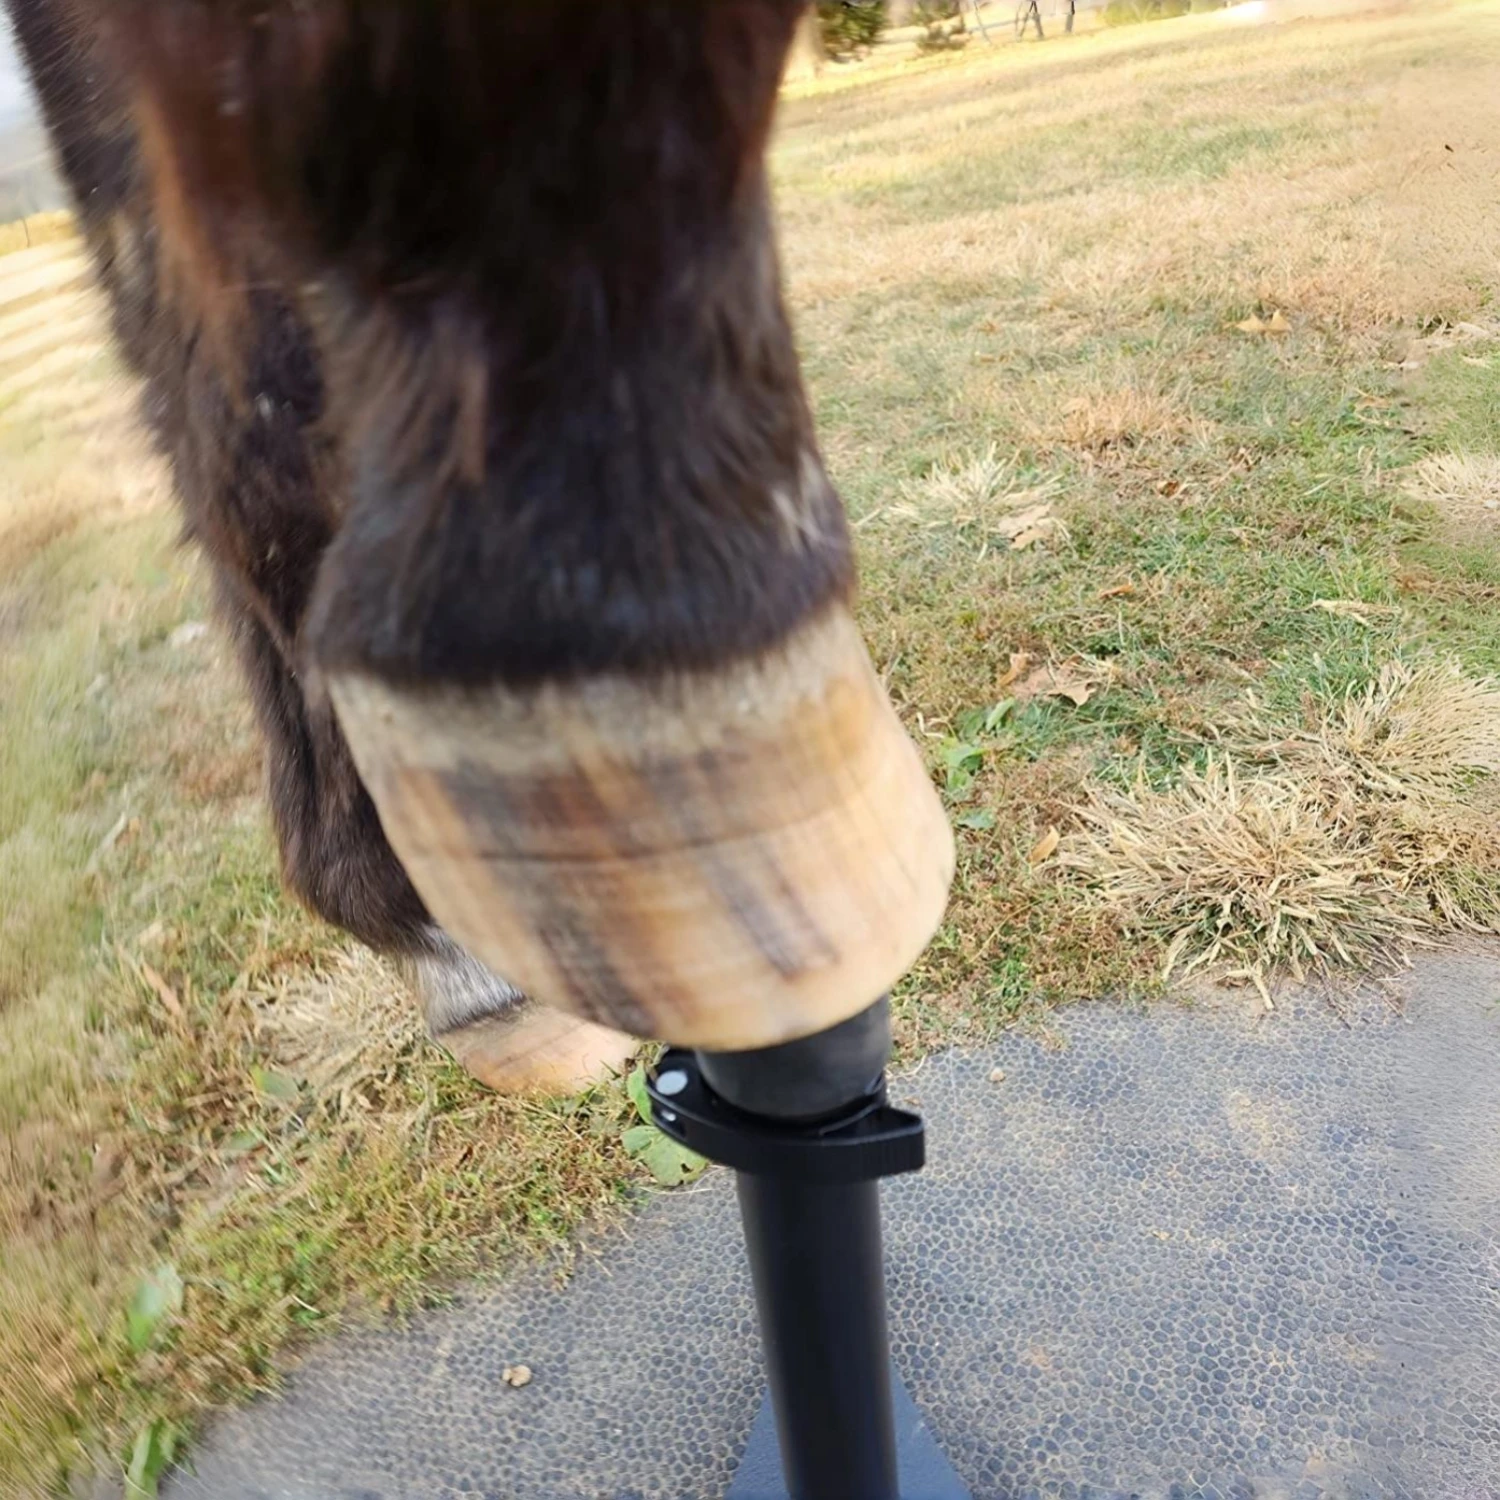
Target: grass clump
{"points": [[1336, 846], [1459, 479], [1243, 874], [1416, 733]]}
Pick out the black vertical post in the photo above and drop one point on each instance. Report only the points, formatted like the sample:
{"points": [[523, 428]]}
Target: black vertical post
{"points": [[815, 1259], [809, 1132]]}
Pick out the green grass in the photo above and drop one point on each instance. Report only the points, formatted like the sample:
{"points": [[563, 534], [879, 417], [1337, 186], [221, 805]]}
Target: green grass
{"points": [[1039, 251]]}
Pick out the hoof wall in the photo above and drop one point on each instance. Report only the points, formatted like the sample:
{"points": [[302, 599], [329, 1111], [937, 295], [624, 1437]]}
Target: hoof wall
{"points": [[536, 1050]]}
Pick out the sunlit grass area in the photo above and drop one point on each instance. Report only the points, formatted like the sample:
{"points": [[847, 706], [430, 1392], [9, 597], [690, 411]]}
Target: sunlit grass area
{"points": [[1161, 371], [37, 229]]}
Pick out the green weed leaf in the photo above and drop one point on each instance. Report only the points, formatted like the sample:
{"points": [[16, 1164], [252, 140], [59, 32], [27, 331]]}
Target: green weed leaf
{"points": [[961, 760], [973, 723], [279, 1086], [670, 1164], [151, 1455], [635, 1086], [157, 1297]]}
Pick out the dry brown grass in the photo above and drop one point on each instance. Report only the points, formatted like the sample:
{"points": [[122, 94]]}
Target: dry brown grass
{"points": [[1335, 847], [1406, 768], [1415, 732], [328, 1163], [1462, 480], [990, 495], [1360, 198], [36, 229], [1106, 418], [1238, 873]]}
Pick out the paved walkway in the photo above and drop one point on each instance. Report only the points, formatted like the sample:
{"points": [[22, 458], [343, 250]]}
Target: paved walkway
{"points": [[1185, 1254]]}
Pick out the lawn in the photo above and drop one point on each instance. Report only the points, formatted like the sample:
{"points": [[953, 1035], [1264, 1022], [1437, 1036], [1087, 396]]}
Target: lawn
{"points": [[1161, 371]]}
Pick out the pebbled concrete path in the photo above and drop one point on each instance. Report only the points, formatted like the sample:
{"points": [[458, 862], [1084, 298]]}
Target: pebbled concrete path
{"points": [[1182, 1254]]}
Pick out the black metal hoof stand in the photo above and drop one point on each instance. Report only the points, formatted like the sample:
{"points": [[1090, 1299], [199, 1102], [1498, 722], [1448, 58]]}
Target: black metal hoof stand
{"points": [[809, 1132]]}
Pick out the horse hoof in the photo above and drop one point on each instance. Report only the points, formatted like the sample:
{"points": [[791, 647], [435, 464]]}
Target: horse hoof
{"points": [[533, 1049], [504, 1038]]}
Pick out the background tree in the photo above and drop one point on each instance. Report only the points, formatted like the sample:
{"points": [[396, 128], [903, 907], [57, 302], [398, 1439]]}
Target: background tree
{"points": [[850, 26]]}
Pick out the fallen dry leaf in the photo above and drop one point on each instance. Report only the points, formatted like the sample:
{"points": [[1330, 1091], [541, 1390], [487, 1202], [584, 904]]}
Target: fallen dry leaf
{"points": [[1046, 847], [1055, 682], [1251, 324], [1020, 499], [164, 991], [1278, 324], [1019, 661], [1029, 538], [1013, 526], [516, 1376], [1358, 610], [1119, 591]]}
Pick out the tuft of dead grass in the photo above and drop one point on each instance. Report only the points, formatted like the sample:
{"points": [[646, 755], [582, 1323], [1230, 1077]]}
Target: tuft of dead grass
{"points": [[996, 498], [1460, 480], [1121, 417], [1406, 768], [1337, 846], [962, 490], [1417, 732], [1243, 874]]}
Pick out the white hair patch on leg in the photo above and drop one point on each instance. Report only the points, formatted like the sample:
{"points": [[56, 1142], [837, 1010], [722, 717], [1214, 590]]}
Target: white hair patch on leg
{"points": [[456, 989]]}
